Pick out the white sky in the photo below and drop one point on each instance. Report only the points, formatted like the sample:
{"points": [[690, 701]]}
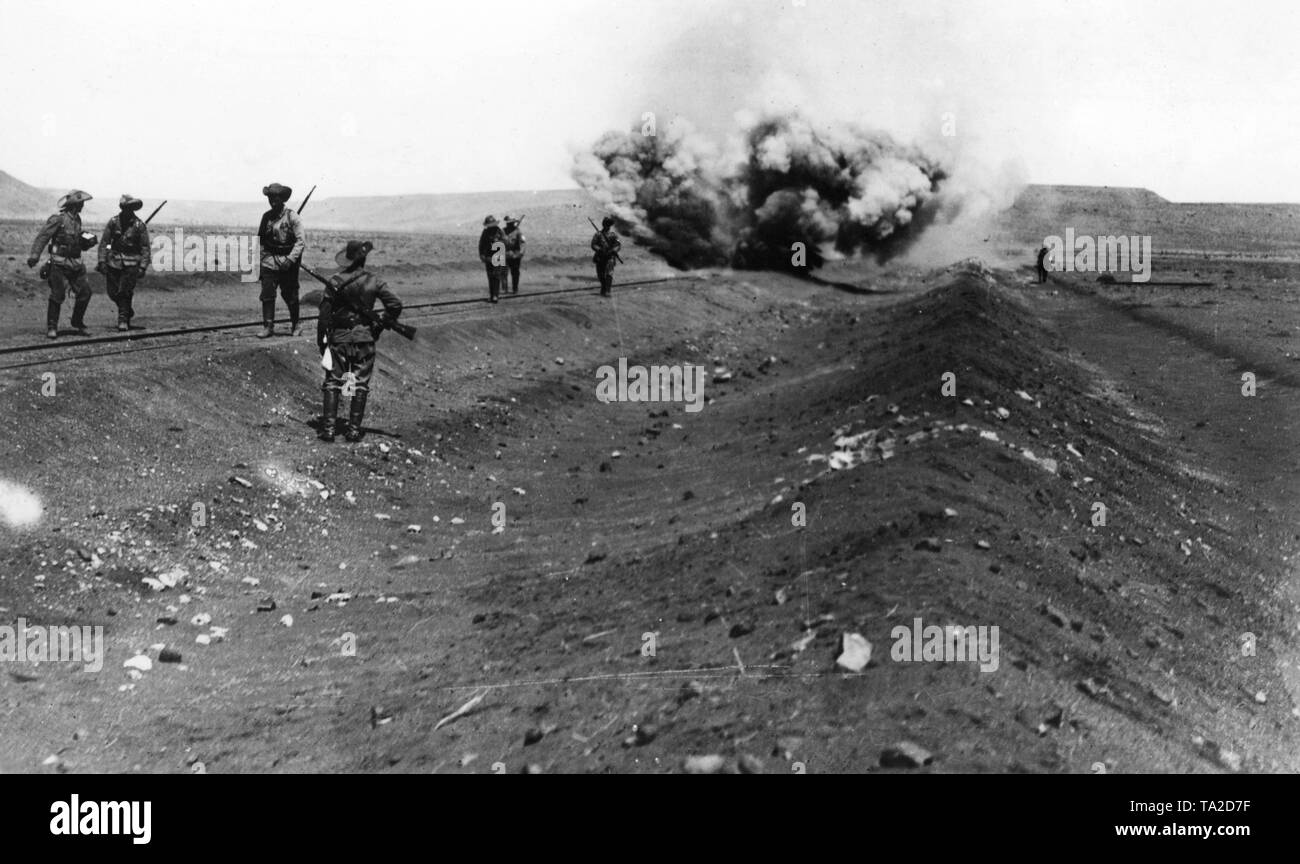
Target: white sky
{"points": [[1197, 101]]}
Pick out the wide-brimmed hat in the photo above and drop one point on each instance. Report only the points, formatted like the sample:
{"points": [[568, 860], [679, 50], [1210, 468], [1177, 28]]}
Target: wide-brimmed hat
{"points": [[491, 220], [275, 190], [129, 202], [76, 196], [607, 221], [354, 250]]}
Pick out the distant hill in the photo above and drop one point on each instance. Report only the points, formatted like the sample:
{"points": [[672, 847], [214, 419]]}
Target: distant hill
{"points": [[551, 212], [20, 201], [1042, 210]]}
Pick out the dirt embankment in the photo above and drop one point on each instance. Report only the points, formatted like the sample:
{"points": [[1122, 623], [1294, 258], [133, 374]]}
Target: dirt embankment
{"points": [[630, 525]]}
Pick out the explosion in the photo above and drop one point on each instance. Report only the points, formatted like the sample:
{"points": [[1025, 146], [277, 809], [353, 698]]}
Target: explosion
{"points": [[838, 190]]}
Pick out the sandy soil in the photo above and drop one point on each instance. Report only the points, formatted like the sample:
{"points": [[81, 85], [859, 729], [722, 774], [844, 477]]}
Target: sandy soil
{"points": [[1121, 645]]}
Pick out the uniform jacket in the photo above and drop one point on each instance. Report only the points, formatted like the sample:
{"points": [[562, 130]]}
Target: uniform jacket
{"points": [[514, 244], [347, 294], [64, 230], [128, 246], [282, 239], [487, 242], [605, 244]]}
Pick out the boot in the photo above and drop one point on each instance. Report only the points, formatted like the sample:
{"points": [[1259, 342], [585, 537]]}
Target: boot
{"points": [[294, 328], [268, 320], [79, 315], [52, 319], [356, 415], [329, 416]]}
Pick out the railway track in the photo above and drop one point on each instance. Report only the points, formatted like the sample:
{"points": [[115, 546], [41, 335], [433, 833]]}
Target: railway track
{"points": [[179, 337]]}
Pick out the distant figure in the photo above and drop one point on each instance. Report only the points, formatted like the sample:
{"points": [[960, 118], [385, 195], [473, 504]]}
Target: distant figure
{"points": [[492, 252], [283, 240], [605, 244], [343, 328], [124, 257], [62, 233], [514, 251], [1042, 265]]}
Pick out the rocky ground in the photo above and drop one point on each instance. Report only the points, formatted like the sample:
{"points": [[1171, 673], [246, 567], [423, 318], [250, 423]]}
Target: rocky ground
{"points": [[509, 575]]}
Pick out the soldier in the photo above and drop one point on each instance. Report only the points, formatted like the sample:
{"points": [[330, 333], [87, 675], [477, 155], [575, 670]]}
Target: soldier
{"points": [[1042, 265], [124, 257], [514, 251], [282, 239], [343, 328], [605, 244], [62, 232], [491, 251]]}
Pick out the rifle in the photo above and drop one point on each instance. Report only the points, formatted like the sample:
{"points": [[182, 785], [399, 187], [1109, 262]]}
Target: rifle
{"points": [[605, 242], [297, 265], [404, 330], [155, 212]]}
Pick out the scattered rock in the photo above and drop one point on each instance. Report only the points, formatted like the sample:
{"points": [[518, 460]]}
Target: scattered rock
{"points": [[749, 764], [532, 736], [139, 662], [267, 605], [929, 544], [738, 630], [711, 764], [169, 655], [855, 653], [905, 754], [1056, 616]]}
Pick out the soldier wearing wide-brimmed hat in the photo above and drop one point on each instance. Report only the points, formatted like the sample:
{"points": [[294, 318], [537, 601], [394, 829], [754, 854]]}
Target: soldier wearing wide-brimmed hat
{"points": [[62, 233], [514, 239], [492, 252], [343, 330], [124, 257], [282, 239]]}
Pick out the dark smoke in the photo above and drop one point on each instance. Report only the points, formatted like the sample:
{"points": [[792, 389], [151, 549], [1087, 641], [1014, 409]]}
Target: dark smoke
{"points": [[839, 190]]}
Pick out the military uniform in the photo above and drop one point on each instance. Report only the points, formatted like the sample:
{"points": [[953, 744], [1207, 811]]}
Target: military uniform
{"points": [[514, 239], [62, 233], [343, 330], [606, 245], [487, 253], [282, 241], [124, 257]]}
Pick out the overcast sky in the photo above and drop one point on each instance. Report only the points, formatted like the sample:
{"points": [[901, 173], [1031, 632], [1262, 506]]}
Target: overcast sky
{"points": [[1197, 101]]}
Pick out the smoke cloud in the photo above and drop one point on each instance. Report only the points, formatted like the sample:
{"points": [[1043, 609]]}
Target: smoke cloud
{"points": [[791, 195], [857, 129]]}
